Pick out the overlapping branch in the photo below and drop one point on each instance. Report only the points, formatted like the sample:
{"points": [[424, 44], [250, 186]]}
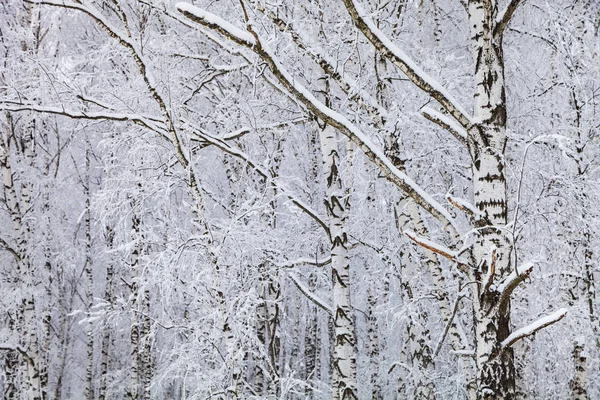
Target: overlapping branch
{"points": [[408, 66], [323, 112]]}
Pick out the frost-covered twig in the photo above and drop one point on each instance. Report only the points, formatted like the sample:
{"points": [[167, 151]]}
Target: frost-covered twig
{"points": [[408, 66], [310, 295], [533, 328], [326, 114], [446, 122]]}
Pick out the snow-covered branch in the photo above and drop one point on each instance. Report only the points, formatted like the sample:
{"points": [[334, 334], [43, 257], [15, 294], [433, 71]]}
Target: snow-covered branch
{"points": [[407, 65], [335, 119], [510, 283], [464, 205], [264, 173], [147, 122], [431, 246], [446, 122], [533, 328], [346, 83], [504, 17], [310, 295], [305, 261]]}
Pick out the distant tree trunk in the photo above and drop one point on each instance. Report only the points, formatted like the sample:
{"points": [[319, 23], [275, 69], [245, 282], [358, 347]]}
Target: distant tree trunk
{"points": [[578, 383], [89, 387], [134, 336], [107, 336]]}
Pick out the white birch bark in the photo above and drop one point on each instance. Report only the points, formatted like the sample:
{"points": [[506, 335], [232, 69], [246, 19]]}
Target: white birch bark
{"points": [[337, 204], [491, 252]]}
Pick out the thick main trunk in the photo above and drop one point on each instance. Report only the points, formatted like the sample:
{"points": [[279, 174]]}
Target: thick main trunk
{"points": [[491, 251]]}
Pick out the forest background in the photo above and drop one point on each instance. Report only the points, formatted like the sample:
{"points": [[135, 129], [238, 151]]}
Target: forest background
{"points": [[299, 199]]}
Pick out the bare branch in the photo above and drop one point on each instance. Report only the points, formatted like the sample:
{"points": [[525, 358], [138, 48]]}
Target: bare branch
{"points": [[10, 249], [533, 328], [504, 17]]}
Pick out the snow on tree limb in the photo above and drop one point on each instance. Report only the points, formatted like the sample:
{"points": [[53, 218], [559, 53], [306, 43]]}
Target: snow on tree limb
{"points": [[533, 328], [408, 66], [305, 261], [464, 205], [346, 83], [147, 122], [335, 119], [504, 17], [510, 283], [264, 173], [432, 246], [445, 122], [310, 295]]}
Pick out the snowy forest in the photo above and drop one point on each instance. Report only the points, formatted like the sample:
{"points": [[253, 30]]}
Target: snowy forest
{"points": [[299, 199]]}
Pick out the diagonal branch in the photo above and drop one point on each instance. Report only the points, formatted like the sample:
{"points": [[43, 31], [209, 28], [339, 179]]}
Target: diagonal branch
{"points": [[408, 66], [447, 123], [264, 173], [346, 83], [326, 114], [310, 295], [533, 328], [504, 17]]}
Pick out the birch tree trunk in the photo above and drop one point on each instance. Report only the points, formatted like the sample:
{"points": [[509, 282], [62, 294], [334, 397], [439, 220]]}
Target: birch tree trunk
{"points": [[491, 251], [337, 204]]}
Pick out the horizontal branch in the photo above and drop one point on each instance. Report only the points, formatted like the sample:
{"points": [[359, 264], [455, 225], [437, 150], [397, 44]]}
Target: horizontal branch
{"points": [[408, 66], [331, 117], [533, 328], [305, 261], [149, 123], [310, 295]]}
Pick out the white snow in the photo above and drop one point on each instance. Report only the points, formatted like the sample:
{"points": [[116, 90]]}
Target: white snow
{"points": [[220, 23], [307, 292], [434, 84], [449, 121], [534, 327]]}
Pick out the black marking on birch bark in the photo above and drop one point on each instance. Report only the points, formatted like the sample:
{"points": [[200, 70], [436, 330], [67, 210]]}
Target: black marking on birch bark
{"points": [[336, 276]]}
